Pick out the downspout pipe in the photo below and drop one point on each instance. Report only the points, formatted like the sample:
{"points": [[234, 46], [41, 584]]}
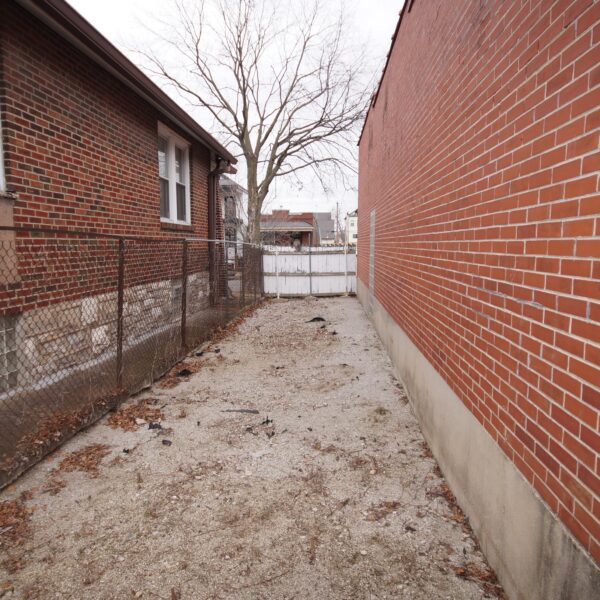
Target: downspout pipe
{"points": [[223, 166]]}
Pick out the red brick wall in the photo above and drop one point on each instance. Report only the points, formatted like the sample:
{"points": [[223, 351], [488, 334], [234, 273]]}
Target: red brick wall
{"points": [[80, 146], [481, 159], [80, 150]]}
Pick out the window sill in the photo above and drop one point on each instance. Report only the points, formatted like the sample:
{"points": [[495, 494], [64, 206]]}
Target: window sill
{"points": [[168, 226], [7, 195]]}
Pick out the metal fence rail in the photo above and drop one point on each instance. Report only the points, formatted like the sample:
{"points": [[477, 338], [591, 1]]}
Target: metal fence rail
{"points": [[88, 319]]}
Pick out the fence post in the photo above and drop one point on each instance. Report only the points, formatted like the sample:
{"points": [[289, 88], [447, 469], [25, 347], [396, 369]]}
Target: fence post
{"points": [[261, 289], [226, 290], [309, 266], [346, 270], [277, 272], [120, 289], [184, 280], [243, 276], [256, 276]]}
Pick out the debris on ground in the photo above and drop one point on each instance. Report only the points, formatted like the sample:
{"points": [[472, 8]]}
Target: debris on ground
{"points": [[55, 428], [87, 460], [482, 575], [181, 372], [222, 333], [235, 510], [131, 417], [316, 320], [54, 484], [14, 521], [6, 587], [245, 411], [382, 510]]}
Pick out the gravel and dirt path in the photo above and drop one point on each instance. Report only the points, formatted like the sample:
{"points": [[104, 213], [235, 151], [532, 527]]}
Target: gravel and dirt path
{"points": [[322, 488]]}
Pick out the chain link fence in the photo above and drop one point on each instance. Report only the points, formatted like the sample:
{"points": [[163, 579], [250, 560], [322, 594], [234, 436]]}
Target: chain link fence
{"points": [[88, 319]]}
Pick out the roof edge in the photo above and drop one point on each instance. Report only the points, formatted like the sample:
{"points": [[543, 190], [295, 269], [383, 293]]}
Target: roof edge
{"points": [[407, 5], [70, 25]]}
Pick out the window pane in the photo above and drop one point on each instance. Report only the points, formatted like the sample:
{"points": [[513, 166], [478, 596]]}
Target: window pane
{"points": [[179, 165], [163, 169], [181, 212], [164, 198]]}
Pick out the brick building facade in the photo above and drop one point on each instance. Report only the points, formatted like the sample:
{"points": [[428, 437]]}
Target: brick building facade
{"points": [[479, 260], [89, 143], [285, 228]]}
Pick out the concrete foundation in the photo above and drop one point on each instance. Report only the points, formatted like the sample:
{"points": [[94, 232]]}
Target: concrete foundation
{"points": [[45, 343], [534, 555]]}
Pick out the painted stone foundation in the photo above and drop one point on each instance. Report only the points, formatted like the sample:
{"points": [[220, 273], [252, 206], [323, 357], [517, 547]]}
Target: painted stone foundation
{"points": [[55, 338], [532, 552]]}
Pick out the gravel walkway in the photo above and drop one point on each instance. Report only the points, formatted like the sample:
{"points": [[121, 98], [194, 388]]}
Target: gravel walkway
{"points": [[323, 489]]}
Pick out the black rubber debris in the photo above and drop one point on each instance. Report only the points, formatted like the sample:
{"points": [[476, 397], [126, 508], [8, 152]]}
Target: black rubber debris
{"points": [[316, 320]]}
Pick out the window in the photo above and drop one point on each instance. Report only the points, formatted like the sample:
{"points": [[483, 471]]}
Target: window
{"points": [[8, 353], [174, 176]]}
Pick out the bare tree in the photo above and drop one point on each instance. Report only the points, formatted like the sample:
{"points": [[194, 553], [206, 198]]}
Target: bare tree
{"points": [[283, 87]]}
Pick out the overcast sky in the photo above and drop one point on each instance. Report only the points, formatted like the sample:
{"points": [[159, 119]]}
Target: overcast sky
{"points": [[125, 23]]}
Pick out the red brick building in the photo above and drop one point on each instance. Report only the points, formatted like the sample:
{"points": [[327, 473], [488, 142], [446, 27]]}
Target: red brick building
{"points": [[479, 260], [82, 128], [91, 149], [284, 228]]}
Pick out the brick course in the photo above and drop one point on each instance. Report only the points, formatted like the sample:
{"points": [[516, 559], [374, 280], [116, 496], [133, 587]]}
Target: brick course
{"points": [[480, 155]]}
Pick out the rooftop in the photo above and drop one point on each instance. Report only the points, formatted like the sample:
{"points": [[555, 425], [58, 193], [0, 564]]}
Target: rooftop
{"points": [[285, 225]]}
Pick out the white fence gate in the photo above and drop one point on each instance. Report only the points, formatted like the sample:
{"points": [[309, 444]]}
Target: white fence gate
{"points": [[309, 272]]}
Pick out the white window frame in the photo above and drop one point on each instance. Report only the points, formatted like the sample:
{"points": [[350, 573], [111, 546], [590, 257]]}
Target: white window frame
{"points": [[175, 141]]}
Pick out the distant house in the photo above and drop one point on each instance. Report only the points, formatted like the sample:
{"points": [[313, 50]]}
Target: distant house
{"points": [[326, 228], [352, 228], [234, 208], [282, 228]]}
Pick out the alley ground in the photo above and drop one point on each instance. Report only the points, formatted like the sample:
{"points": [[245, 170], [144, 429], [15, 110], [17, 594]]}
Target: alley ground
{"points": [[323, 489]]}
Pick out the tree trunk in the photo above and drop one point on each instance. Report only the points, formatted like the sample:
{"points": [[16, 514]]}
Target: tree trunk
{"points": [[255, 202], [254, 207]]}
